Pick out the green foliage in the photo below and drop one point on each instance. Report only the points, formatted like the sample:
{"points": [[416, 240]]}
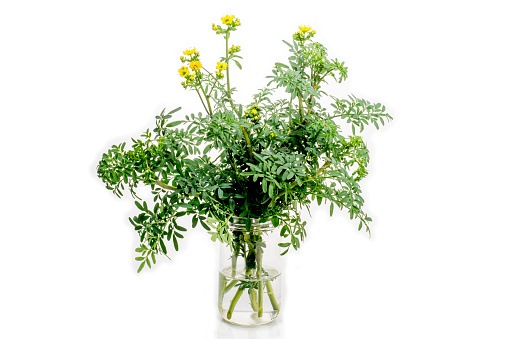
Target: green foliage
{"points": [[273, 156]]}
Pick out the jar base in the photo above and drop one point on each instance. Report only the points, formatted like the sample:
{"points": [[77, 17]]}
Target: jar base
{"points": [[249, 319]]}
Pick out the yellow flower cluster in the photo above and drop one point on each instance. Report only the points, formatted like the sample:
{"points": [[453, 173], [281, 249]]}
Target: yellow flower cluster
{"points": [[195, 65], [234, 49], [189, 55], [272, 135], [228, 20], [253, 113], [184, 71], [221, 66], [216, 28], [192, 56], [304, 33], [189, 51]]}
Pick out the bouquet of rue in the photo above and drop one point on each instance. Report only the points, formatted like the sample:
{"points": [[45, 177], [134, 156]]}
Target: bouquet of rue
{"points": [[244, 171]]}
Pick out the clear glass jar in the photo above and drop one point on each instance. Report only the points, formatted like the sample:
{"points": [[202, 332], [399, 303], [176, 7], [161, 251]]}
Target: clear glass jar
{"points": [[249, 274]]}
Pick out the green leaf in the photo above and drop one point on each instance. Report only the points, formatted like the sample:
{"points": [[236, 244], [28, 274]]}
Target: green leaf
{"points": [[140, 258], [163, 246], [174, 123], [141, 266], [175, 243], [275, 221], [138, 205], [175, 110], [238, 64], [205, 226], [207, 148], [194, 221], [180, 228]]}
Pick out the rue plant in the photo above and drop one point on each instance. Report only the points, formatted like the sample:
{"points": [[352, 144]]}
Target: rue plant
{"points": [[263, 160]]}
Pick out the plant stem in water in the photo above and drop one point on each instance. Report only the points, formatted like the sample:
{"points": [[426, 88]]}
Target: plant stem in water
{"points": [[222, 286], [230, 286], [253, 299], [259, 259], [233, 264], [271, 294], [237, 296]]}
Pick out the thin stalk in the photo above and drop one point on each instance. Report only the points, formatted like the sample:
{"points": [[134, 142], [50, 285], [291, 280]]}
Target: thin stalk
{"points": [[222, 286], [227, 60], [207, 98], [259, 274], [300, 107], [253, 295], [235, 299], [234, 260], [271, 295], [253, 299], [200, 98], [163, 185], [230, 286], [247, 140]]}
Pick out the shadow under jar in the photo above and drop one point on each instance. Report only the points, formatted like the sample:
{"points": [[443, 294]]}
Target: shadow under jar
{"points": [[249, 274]]}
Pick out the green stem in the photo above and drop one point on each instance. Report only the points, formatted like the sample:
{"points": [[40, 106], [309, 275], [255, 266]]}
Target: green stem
{"points": [[200, 98], [259, 273], [300, 107], [222, 287], [227, 60], [271, 295], [253, 299], [235, 299], [230, 286], [163, 185], [207, 98], [234, 260]]}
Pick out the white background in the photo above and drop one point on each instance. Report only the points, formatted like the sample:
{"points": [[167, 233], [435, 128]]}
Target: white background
{"points": [[79, 76]]}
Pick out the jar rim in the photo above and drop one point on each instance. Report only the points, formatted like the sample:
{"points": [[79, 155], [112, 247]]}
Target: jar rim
{"points": [[239, 223]]}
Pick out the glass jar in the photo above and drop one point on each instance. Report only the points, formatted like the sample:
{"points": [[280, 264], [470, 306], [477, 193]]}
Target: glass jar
{"points": [[249, 274]]}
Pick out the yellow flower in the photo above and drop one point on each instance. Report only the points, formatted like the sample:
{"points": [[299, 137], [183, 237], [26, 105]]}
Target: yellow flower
{"points": [[228, 19], [254, 111], [272, 135], [189, 51], [304, 28], [195, 65], [183, 71], [221, 66], [191, 77]]}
